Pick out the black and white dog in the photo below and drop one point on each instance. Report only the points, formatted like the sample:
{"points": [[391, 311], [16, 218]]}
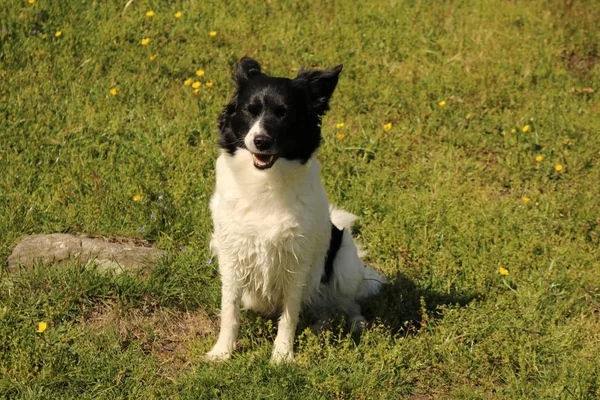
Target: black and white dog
{"points": [[280, 245]]}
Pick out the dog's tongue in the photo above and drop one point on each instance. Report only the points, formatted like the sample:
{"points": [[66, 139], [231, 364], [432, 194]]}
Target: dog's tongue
{"points": [[263, 158]]}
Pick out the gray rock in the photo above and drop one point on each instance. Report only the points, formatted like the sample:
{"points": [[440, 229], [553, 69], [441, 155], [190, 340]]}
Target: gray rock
{"points": [[113, 253]]}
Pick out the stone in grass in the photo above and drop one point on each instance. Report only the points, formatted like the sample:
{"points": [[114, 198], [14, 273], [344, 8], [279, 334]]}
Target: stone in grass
{"points": [[112, 253]]}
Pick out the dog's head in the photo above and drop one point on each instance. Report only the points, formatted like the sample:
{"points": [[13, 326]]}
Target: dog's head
{"points": [[273, 117]]}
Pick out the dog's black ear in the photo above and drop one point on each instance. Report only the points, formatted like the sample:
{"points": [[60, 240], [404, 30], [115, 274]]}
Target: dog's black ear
{"points": [[227, 112], [227, 139], [246, 68], [320, 85]]}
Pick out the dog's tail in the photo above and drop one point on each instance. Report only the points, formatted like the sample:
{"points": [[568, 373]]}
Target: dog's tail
{"points": [[344, 220], [341, 219], [372, 280]]}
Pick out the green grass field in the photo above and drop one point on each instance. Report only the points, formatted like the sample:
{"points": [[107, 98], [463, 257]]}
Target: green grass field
{"points": [[481, 203]]}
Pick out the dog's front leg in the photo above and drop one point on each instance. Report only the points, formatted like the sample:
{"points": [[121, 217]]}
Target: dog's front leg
{"points": [[283, 347], [230, 321]]}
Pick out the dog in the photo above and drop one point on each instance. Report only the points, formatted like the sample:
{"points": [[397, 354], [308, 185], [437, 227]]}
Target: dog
{"points": [[281, 247]]}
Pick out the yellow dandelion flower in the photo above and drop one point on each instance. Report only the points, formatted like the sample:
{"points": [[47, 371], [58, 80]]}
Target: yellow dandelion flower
{"points": [[177, 14], [513, 130], [502, 271], [188, 82], [113, 91], [340, 136], [210, 84], [196, 91], [387, 127], [196, 85], [539, 158], [137, 197], [31, 1], [339, 126], [41, 327], [526, 199], [153, 57], [442, 103], [200, 72], [212, 34], [526, 128], [558, 167], [145, 41], [58, 34], [150, 13]]}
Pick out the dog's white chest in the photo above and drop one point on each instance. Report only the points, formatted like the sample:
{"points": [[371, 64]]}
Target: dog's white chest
{"points": [[268, 234], [266, 250], [260, 236]]}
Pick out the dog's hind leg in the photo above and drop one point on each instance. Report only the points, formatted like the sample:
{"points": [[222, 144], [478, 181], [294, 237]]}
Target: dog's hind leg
{"points": [[356, 322]]}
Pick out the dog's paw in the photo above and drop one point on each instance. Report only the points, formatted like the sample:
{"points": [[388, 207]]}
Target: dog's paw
{"points": [[280, 357], [216, 355], [357, 324]]}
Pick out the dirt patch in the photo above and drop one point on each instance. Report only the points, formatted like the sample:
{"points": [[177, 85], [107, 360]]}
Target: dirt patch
{"points": [[581, 65], [169, 335]]}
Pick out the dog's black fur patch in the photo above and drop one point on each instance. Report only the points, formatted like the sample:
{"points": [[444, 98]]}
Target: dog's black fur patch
{"points": [[334, 246], [291, 109]]}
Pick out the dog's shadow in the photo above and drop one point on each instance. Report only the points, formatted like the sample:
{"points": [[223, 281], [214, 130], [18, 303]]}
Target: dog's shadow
{"points": [[404, 307]]}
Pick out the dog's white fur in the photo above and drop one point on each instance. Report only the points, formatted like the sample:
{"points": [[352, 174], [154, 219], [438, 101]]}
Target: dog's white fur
{"points": [[254, 131], [271, 234]]}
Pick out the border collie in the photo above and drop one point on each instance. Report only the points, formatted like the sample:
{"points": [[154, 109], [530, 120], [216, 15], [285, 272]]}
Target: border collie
{"points": [[280, 245]]}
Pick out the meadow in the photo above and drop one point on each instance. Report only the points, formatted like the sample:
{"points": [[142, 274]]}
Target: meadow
{"points": [[465, 134]]}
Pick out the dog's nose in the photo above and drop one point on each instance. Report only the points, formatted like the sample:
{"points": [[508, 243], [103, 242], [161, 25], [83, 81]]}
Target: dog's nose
{"points": [[263, 142]]}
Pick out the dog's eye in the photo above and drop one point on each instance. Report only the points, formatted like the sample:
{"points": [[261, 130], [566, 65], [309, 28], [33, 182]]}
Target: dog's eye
{"points": [[253, 109], [280, 111]]}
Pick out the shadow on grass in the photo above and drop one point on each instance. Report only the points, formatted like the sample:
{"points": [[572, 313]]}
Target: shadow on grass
{"points": [[402, 307], [405, 307]]}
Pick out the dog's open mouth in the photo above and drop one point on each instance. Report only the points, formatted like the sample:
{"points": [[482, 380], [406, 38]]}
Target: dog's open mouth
{"points": [[264, 161]]}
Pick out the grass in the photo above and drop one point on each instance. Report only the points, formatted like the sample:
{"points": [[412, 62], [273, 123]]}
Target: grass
{"points": [[446, 197]]}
